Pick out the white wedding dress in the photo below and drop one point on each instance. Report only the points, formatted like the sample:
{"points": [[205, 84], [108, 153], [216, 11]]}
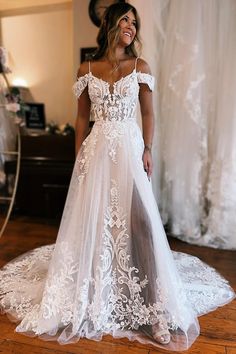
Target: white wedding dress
{"points": [[111, 270]]}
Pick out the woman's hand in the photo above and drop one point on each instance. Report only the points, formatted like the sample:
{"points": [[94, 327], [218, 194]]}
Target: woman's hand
{"points": [[147, 162]]}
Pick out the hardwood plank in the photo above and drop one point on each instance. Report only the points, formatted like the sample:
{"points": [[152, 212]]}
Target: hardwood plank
{"points": [[11, 347], [231, 350], [197, 348], [83, 346], [216, 341], [214, 327], [227, 312]]}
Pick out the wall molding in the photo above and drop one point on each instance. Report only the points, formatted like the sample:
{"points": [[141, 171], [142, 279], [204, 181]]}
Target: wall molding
{"points": [[36, 9]]}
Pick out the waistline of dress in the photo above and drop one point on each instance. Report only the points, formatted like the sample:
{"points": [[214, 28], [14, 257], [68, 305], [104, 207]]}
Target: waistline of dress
{"points": [[116, 122]]}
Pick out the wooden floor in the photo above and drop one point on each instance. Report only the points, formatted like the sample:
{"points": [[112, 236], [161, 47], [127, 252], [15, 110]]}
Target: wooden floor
{"points": [[218, 329]]}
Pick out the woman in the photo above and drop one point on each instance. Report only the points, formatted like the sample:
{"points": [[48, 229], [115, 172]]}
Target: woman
{"points": [[111, 270]]}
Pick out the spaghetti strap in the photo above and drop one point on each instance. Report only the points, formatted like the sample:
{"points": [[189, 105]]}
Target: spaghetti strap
{"points": [[89, 66], [135, 65]]}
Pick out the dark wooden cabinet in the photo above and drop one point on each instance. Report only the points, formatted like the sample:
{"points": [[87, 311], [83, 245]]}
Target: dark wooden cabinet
{"points": [[46, 166]]}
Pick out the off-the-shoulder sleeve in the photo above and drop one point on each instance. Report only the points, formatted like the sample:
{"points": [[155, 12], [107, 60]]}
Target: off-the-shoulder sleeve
{"points": [[80, 85], [148, 79]]}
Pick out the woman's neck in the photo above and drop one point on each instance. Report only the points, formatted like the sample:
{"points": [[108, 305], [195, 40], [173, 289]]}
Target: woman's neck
{"points": [[115, 60], [120, 53]]}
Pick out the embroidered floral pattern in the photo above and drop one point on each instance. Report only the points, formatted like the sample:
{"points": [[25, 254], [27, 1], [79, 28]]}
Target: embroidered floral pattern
{"points": [[202, 284], [124, 307], [117, 301], [57, 297], [16, 276], [111, 109], [87, 152], [80, 85]]}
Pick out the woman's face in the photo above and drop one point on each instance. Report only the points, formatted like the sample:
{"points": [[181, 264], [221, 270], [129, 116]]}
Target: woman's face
{"points": [[127, 26]]}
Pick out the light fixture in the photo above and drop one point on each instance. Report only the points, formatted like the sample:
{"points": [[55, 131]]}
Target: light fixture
{"points": [[19, 82]]}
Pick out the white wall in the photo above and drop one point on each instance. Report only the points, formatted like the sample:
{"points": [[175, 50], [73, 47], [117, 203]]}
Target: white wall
{"points": [[44, 47], [84, 33], [40, 49]]}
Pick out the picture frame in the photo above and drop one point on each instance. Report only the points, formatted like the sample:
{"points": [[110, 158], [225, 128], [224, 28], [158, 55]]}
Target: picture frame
{"points": [[35, 116]]}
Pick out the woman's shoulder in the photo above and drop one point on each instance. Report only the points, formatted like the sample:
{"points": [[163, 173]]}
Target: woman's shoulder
{"points": [[142, 66], [98, 65], [144, 75], [139, 63], [83, 69]]}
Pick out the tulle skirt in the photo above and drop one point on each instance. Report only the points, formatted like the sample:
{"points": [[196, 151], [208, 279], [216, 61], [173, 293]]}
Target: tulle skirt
{"points": [[111, 270]]}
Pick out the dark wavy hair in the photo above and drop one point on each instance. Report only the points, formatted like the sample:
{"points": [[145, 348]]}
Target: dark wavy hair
{"points": [[108, 35]]}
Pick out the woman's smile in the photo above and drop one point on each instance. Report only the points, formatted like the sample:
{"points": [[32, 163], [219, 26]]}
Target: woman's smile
{"points": [[128, 28]]}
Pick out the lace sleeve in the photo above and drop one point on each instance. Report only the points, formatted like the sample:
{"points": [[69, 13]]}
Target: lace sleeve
{"points": [[148, 79], [80, 85]]}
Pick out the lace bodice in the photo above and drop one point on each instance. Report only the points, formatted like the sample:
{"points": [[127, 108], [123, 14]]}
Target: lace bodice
{"points": [[115, 102]]}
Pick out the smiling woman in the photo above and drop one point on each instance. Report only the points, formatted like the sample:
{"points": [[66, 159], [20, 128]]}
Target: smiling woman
{"points": [[111, 34]]}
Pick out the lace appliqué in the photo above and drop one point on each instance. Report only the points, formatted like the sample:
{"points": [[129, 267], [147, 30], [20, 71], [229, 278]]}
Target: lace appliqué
{"points": [[16, 278], [124, 306], [57, 299], [60, 286], [87, 152], [147, 79], [111, 110], [113, 133], [111, 300], [203, 286], [80, 85]]}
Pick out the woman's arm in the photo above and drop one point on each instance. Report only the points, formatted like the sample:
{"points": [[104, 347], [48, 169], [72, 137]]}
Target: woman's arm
{"points": [[83, 112], [146, 105]]}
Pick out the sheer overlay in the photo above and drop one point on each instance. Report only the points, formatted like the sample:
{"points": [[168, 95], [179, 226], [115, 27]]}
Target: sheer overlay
{"points": [[111, 269]]}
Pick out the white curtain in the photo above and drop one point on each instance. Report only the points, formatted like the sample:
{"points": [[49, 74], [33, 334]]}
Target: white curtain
{"points": [[191, 46]]}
